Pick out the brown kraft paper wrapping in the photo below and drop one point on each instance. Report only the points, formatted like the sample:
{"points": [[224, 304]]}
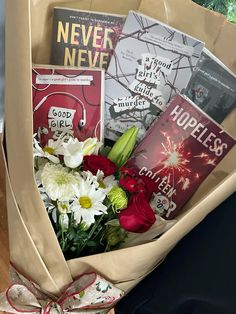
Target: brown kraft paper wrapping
{"points": [[34, 248]]}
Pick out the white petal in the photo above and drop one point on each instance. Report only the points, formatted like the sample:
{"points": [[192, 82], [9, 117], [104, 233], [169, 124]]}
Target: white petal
{"points": [[100, 207], [89, 146], [52, 158], [97, 195], [88, 216], [73, 161]]}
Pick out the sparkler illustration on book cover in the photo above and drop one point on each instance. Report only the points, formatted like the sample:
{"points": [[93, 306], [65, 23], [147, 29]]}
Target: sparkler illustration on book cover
{"points": [[152, 62], [178, 152]]}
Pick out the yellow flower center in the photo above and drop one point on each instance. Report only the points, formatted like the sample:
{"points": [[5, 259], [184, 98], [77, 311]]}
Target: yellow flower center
{"points": [[49, 150], [85, 202]]}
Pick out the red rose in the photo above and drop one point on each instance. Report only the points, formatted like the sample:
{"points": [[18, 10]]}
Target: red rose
{"points": [[138, 217], [94, 163]]}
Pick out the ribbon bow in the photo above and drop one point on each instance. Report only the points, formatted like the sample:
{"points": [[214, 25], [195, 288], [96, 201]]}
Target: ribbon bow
{"points": [[89, 293]]}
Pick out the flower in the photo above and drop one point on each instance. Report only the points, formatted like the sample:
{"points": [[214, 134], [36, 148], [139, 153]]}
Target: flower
{"points": [[90, 178], [107, 183], [131, 181], [64, 222], [99, 181], [114, 235], [73, 153], [131, 171], [90, 145], [48, 151], [118, 198], [138, 217], [63, 207], [150, 187], [88, 203], [94, 163], [124, 146], [58, 182], [131, 184]]}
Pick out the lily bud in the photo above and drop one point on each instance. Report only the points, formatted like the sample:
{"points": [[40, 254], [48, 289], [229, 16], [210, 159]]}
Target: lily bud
{"points": [[124, 146]]}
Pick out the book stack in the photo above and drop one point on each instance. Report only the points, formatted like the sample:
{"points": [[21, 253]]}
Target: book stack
{"points": [[110, 72]]}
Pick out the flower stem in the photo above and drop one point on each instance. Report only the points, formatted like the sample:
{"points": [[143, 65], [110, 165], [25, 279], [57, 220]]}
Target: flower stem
{"points": [[96, 224], [63, 240]]}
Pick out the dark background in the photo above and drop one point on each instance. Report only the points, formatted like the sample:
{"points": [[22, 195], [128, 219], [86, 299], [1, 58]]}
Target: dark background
{"points": [[198, 276]]}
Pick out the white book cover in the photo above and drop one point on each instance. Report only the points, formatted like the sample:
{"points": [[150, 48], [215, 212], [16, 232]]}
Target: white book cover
{"points": [[152, 62]]}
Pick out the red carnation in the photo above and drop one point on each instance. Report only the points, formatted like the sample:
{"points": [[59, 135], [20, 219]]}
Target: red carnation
{"points": [[138, 217], [94, 163], [128, 171], [134, 183], [150, 186], [131, 184]]}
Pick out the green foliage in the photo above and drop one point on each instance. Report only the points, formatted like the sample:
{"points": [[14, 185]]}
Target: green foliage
{"points": [[226, 7], [78, 241]]}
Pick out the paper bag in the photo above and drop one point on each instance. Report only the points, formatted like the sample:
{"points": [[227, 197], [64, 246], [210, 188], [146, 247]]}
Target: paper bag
{"points": [[34, 248]]}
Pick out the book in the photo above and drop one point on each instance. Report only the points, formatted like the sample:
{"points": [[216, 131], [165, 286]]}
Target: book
{"points": [[68, 100], [84, 38], [212, 87], [151, 63], [178, 152]]}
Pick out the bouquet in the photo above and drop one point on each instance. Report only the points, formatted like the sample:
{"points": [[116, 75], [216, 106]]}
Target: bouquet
{"points": [[94, 202]]}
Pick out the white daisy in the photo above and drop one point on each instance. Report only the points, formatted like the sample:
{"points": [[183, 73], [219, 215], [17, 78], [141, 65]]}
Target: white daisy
{"points": [[107, 183], [73, 153], [50, 150], [89, 203], [58, 182], [90, 178], [98, 180]]}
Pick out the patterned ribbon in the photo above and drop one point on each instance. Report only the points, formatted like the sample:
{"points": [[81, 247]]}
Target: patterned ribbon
{"points": [[89, 293]]}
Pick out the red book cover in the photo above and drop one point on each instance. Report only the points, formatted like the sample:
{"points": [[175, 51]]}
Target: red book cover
{"points": [[178, 152], [68, 100]]}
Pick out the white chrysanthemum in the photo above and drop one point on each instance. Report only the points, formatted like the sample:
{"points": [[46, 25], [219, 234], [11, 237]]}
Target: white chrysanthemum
{"points": [[73, 153], [58, 182], [89, 203], [50, 150]]}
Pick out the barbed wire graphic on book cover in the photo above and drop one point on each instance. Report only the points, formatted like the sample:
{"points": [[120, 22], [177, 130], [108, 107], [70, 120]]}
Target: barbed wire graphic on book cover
{"points": [[125, 79]]}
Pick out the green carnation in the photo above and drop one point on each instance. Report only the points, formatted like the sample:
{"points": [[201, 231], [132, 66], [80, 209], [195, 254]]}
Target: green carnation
{"points": [[118, 198], [114, 236]]}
